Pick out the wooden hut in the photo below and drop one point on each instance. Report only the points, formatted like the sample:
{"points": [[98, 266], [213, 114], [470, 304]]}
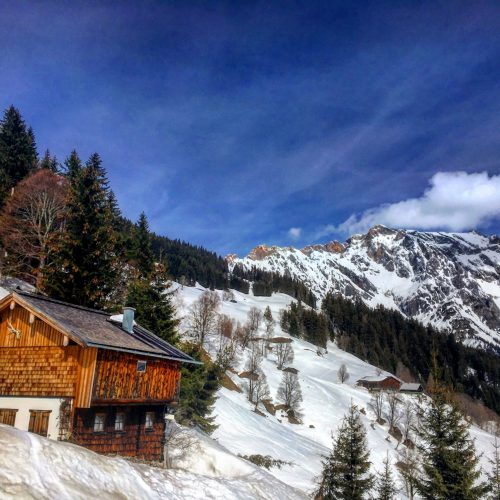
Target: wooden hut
{"points": [[68, 372], [380, 383]]}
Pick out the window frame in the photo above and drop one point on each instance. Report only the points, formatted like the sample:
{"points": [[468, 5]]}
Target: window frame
{"points": [[150, 415], [101, 416], [142, 365], [121, 421]]}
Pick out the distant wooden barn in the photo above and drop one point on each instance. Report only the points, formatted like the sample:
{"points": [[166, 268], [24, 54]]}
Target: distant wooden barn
{"points": [[380, 382], [411, 388], [72, 373]]}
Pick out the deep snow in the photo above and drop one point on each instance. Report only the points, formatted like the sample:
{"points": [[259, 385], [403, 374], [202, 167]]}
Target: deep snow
{"points": [[38, 468]]}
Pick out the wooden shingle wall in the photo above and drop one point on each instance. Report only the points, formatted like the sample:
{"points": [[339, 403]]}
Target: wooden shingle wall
{"points": [[118, 379], [38, 371], [133, 441]]}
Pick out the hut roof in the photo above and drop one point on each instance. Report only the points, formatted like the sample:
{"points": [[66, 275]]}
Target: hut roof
{"points": [[94, 328]]}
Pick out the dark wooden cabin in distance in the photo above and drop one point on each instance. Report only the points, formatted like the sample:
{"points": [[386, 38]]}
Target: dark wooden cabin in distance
{"points": [[380, 383], [78, 374]]}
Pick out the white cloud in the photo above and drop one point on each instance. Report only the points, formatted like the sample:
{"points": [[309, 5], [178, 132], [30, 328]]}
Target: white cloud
{"points": [[295, 232], [454, 201]]}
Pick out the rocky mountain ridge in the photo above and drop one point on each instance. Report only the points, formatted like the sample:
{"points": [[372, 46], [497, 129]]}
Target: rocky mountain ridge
{"points": [[450, 280]]}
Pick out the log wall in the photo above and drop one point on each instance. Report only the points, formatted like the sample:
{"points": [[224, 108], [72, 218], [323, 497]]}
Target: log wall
{"points": [[134, 441], [119, 380]]}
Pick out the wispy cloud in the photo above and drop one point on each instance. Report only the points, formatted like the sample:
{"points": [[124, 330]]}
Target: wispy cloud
{"points": [[454, 201], [294, 233]]}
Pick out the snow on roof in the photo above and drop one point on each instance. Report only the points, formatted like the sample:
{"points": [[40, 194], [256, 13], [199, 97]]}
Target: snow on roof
{"points": [[377, 378], [410, 387]]}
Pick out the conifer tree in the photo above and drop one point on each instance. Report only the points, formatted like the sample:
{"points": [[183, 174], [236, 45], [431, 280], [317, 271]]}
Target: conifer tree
{"points": [[346, 471], [268, 315], [18, 155], [143, 250], [386, 487], [199, 384], [49, 162], [153, 304], [86, 273], [494, 475], [449, 461]]}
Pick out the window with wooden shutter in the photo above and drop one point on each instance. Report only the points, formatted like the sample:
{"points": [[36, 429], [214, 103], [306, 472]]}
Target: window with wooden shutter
{"points": [[39, 422], [7, 416]]}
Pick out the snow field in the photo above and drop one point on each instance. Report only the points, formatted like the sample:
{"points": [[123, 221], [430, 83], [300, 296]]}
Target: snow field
{"points": [[325, 402]]}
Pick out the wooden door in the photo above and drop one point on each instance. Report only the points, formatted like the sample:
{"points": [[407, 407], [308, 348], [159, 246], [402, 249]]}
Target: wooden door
{"points": [[39, 422], [8, 417]]}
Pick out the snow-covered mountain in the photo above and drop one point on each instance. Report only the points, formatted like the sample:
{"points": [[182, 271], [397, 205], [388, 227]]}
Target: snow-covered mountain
{"points": [[451, 280]]}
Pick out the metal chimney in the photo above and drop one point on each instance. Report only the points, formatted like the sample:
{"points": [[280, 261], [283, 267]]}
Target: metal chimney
{"points": [[128, 319]]}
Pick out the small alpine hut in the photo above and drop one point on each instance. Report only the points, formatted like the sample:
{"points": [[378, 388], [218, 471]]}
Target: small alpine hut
{"points": [[380, 383], [411, 388], [78, 374]]}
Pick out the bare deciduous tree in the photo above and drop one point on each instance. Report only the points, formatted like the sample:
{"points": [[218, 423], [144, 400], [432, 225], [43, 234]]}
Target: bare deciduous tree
{"points": [[377, 405], [289, 391], [227, 295], [408, 419], [178, 443], [32, 224], [393, 403], [203, 316], [252, 368], [254, 320], [343, 374], [227, 349], [284, 354], [243, 335], [260, 389]]}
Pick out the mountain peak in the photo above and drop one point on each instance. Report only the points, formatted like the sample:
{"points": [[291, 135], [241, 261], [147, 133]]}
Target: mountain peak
{"points": [[451, 280]]}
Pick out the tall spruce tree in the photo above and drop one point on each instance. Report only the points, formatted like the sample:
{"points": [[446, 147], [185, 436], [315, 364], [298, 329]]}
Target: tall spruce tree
{"points": [[346, 471], [153, 304], [494, 475], [86, 273], [199, 384], [386, 487], [18, 156], [49, 162], [144, 251], [449, 461], [149, 292]]}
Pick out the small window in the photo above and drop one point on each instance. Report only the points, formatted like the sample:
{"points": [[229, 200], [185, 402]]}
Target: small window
{"points": [[8, 417], [99, 422], [39, 422], [141, 366], [120, 421], [150, 418]]}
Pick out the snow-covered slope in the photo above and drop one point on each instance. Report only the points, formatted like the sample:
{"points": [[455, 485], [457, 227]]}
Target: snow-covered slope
{"points": [[39, 468], [325, 401], [451, 280]]}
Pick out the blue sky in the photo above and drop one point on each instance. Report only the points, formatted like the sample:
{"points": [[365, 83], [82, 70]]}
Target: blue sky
{"points": [[232, 124]]}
